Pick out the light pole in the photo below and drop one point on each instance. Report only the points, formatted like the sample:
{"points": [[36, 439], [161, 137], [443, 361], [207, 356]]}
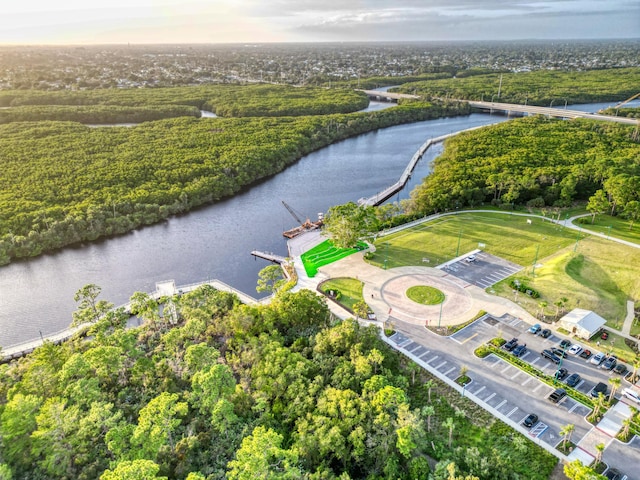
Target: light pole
{"points": [[551, 104], [565, 103], [608, 231], [386, 252], [535, 260], [440, 316], [575, 247]]}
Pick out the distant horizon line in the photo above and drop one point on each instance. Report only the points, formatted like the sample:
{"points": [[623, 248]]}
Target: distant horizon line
{"points": [[333, 42]]}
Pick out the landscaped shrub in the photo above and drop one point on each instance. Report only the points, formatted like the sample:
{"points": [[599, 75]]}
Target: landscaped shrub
{"points": [[521, 287]]}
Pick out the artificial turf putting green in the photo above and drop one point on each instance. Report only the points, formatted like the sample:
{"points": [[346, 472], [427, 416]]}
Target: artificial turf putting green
{"points": [[324, 254], [425, 295]]}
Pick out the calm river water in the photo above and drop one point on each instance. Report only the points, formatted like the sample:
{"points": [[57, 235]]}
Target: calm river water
{"points": [[36, 296]]}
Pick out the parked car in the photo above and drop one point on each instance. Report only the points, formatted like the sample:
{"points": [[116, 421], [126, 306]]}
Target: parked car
{"points": [[609, 363], [599, 388], [471, 258], [631, 394], [546, 333], [549, 355], [565, 344], [573, 380], [561, 373], [604, 335], [621, 369], [559, 352], [511, 344], [519, 350], [585, 354], [575, 349], [531, 420], [615, 474], [534, 328], [557, 395], [598, 358]]}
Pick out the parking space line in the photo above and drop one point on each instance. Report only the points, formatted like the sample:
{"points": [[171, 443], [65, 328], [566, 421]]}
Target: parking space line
{"points": [[424, 354], [414, 349], [490, 397], [506, 368], [443, 363], [574, 407], [516, 374], [501, 404], [480, 389], [515, 409], [538, 387], [472, 336], [436, 356], [449, 371], [494, 364], [514, 321], [526, 381], [534, 361], [525, 355], [579, 384]]}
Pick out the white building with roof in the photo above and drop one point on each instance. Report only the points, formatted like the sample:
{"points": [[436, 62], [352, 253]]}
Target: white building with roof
{"points": [[582, 323]]}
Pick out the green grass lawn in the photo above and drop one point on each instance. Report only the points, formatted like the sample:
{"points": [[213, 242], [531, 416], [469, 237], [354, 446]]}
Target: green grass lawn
{"points": [[507, 236], [600, 275], [613, 226], [425, 295], [350, 290], [324, 254]]}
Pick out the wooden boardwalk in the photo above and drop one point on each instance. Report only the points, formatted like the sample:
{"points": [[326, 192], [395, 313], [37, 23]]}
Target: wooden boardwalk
{"points": [[272, 257]]}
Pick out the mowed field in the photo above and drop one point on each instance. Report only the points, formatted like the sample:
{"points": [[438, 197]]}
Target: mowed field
{"points": [[590, 272]]}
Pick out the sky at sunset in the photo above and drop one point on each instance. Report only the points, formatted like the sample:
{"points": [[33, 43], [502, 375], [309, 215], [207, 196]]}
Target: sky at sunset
{"points": [[219, 21]]}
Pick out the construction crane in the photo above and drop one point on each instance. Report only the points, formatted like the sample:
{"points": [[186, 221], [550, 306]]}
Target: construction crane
{"points": [[303, 227]]}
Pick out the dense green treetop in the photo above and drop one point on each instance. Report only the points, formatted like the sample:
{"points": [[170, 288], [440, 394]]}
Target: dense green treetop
{"points": [[541, 87], [237, 391], [63, 182], [534, 161], [224, 100]]}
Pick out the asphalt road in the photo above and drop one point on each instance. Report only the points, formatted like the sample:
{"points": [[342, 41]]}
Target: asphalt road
{"points": [[509, 390]]}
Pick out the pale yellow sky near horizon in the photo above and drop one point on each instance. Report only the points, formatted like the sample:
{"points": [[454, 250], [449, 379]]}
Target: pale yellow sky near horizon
{"points": [[222, 21]]}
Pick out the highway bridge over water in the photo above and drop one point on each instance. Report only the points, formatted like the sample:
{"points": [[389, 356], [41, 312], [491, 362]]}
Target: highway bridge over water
{"points": [[511, 109]]}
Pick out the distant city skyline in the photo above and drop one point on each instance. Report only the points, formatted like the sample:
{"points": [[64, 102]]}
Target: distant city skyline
{"points": [[258, 21]]}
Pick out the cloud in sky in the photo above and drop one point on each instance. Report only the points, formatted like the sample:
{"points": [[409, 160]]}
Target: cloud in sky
{"points": [[213, 21]]}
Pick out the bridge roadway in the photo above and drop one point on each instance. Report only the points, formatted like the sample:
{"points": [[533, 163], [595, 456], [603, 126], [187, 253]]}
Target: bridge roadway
{"points": [[388, 95], [551, 112]]}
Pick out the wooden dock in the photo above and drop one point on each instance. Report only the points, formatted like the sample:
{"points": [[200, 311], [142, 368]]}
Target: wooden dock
{"points": [[391, 190], [272, 257]]}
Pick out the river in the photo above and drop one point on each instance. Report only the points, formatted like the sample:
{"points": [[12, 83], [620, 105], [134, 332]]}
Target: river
{"points": [[36, 296]]}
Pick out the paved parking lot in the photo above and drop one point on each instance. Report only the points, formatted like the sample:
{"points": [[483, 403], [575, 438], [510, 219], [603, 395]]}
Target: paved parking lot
{"points": [[507, 390], [484, 271]]}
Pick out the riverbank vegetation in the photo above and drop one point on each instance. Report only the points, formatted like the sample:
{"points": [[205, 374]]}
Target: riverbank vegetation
{"points": [[542, 87], [64, 183], [235, 391], [223, 100]]}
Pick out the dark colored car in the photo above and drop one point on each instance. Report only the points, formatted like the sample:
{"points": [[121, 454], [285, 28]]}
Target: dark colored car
{"points": [[563, 372], [565, 344], [609, 363], [557, 395], [614, 474], [604, 335], [519, 350], [531, 420], [559, 352], [621, 369], [511, 344], [599, 388], [546, 333], [549, 355], [585, 354], [573, 380]]}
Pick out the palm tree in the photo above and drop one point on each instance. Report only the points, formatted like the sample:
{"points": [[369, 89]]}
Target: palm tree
{"points": [[428, 411], [450, 425], [564, 301], [636, 365], [615, 384], [566, 432], [558, 304], [600, 449], [429, 384], [542, 306], [598, 406], [626, 425]]}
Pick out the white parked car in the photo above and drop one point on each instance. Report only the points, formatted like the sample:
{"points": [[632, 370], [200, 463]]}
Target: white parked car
{"points": [[471, 258], [598, 358], [575, 349], [631, 394]]}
